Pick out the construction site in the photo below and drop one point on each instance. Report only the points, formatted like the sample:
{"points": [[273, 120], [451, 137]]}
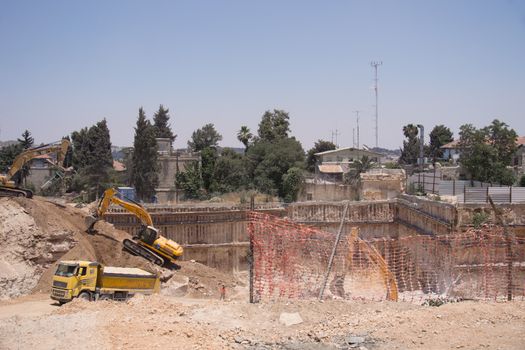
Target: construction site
{"points": [[262, 175], [324, 275]]}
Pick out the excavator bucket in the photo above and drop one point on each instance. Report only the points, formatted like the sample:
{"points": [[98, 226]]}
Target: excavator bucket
{"points": [[90, 223]]}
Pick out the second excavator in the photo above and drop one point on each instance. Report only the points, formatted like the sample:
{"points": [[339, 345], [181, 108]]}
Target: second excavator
{"points": [[147, 243], [8, 186]]}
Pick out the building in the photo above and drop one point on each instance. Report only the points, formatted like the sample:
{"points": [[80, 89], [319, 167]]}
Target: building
{"points": [[170, 164], [333, 164], [451, 151], [41, 169], [518, 160]]}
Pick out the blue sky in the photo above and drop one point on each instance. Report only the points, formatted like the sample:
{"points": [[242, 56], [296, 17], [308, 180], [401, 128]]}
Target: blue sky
{"points": [[68, 64]]}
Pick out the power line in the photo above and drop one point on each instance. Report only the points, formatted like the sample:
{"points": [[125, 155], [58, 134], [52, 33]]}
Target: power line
{"points": [[375, 64]]}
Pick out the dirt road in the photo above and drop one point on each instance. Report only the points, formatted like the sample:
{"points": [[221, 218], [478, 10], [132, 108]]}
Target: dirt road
{"points": [[168, 322]]}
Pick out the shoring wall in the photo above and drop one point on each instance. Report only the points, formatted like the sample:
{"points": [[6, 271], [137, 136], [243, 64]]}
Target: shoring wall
{"points": [[216, 235]]}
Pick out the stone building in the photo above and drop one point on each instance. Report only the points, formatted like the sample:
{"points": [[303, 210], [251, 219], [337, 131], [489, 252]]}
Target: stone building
{"points": [[171, 162]]}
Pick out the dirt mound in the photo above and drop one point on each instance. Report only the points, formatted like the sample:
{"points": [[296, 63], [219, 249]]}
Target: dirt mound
{"points": [[36, 233], [200, 281], [29, 242]]}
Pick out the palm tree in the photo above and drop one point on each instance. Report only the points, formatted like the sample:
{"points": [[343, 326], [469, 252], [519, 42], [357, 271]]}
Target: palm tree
{"points": [[244, 135], [363, 165]]}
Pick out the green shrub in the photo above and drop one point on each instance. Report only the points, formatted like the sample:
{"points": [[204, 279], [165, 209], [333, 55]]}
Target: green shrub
{"points": [[522, 181], [479, 218]]}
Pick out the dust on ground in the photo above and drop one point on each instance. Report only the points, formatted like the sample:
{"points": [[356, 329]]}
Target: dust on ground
{"points": [[161, 321]]}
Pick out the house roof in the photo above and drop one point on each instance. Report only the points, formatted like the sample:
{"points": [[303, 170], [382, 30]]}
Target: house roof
{"points": [[363, 151], [331, 169], [520, 141], [451, 145], [118, 166]]}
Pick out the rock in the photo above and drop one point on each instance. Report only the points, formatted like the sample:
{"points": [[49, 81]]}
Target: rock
{"points": [[290, 319], [355, 340]]}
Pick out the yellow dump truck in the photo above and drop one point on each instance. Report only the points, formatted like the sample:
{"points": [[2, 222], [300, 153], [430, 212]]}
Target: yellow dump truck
{"points": [[93, 281]]}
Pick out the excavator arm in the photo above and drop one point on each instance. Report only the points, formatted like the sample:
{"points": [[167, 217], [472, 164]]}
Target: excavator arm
{"points": [[110, 197], [27, 155]]}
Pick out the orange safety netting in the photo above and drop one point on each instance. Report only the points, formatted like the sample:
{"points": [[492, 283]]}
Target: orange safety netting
{"points": [[290, 260]]}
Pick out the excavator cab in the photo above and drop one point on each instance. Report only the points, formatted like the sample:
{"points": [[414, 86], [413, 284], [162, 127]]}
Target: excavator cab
{"points": [[148, 235]]}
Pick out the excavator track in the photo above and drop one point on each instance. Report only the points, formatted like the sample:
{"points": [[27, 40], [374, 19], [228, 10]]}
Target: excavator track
{"points": [[15, 192], [147, 254]]}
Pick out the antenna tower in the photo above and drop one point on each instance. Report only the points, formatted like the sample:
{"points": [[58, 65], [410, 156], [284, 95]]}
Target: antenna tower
{"points": [[357, 121], [375, 64]]}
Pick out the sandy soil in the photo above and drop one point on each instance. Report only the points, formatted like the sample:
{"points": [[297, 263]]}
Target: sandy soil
{"points": [[188, 314], [168, 322]]}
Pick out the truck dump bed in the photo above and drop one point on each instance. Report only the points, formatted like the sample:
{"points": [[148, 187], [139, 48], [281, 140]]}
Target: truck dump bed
{"points": [[127, 278]]}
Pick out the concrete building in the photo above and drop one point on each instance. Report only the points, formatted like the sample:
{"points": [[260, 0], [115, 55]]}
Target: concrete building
{"points": [[519, 156], [170, 164], [41, 169], [331, 165]]}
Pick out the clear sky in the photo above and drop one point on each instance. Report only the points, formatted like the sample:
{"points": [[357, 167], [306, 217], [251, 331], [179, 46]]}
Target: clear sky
{"points": [[67, 64]]}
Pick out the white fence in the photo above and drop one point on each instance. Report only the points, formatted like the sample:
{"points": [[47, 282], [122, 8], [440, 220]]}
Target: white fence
{"points": [[467, 191]]}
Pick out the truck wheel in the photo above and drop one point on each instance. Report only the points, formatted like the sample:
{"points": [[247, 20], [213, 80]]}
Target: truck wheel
{"points": [[85, 296], [105, 297]]}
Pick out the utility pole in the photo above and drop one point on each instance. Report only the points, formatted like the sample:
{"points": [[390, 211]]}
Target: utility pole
{"points": [[375, 64], [353, 137], [335, 133], [421, 146], [357, 121]]}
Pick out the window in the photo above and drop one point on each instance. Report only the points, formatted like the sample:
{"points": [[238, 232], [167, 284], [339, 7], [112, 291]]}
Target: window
{"points": [[309, 196], [82, 271]]}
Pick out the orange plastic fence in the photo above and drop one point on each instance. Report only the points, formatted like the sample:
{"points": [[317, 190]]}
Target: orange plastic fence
{"points": [[290, 261]]}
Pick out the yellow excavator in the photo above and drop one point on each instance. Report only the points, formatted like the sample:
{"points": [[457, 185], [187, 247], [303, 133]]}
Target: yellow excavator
{"points": [[9, 188], [148, 243]]}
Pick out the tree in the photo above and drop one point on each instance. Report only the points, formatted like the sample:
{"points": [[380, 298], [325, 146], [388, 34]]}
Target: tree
{"points": [[439, 136], [319, 146], [160, 122], [209, 159], [99, 158], [244, 135], [8, 155], [293, 181], [486, 153], [80, 148], [25, 142], [230, 173], [410, 151], [205, 137], [144, 176], [274, 125], [269, 161], [190, 181]]}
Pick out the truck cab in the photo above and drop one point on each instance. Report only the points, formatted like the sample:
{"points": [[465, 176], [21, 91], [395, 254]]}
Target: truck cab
{"points": [[72, 278]]}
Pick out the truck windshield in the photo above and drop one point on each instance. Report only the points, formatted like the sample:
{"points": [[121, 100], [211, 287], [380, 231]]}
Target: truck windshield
{"points": [[66, 270]]}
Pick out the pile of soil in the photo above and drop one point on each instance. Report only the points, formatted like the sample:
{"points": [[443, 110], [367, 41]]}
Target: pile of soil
{"points": [[35, 234]]}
